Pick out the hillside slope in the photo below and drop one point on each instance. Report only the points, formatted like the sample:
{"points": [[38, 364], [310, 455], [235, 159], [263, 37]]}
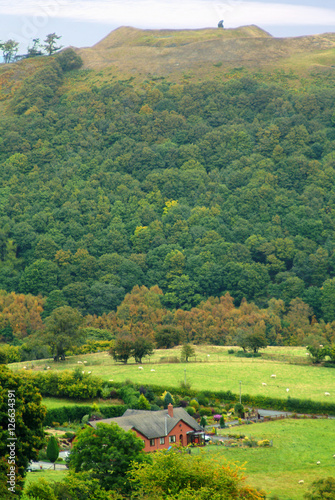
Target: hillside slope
{"points": [[164, 52]]}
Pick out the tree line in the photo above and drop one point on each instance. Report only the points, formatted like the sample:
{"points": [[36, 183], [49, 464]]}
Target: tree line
{"points": [[10, 48]]}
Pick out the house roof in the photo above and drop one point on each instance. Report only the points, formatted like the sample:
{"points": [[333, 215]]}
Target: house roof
{"points": [[152, 424]]}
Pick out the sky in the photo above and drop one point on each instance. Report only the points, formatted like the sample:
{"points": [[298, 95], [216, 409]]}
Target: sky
{"points": [[82, 23]]}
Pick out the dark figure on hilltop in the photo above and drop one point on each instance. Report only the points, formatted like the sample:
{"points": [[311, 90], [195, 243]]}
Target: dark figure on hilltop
{"points": [[220, 24]]}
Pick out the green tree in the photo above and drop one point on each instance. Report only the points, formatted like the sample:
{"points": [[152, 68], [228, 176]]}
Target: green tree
{"points": [[75, 486], [168, 399], [63, 330], [187, 352], [321, 489], [35, 50], [239, 409], [123, 349], [69, 60], [180, 476], [328, 300], [167, 336], [53, 450], [107, 452], [39, 277], [203, 422], [50, 43], [20, 404], [222, 422], [143, 403], [142, 347], [9, 50]]}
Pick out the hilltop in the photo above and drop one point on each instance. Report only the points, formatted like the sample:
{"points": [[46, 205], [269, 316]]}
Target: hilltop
{"points": [[166, 52]]}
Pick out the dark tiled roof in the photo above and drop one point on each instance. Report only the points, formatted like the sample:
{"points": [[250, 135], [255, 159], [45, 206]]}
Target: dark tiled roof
{"points": [[151, 424]]}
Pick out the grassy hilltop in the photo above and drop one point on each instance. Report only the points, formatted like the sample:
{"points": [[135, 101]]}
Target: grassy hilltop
{"points": [[205, 52]]}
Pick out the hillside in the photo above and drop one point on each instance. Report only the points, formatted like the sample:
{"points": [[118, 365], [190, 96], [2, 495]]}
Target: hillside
{"points": [[194, 181], [167, 52]]}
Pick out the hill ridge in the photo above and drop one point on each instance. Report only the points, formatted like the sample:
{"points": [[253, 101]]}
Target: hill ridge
{"points": [[163, 52]]}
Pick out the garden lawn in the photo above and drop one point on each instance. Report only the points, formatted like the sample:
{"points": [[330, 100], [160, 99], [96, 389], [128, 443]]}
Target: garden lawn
{"points": [[297, 447], [48, 475]]}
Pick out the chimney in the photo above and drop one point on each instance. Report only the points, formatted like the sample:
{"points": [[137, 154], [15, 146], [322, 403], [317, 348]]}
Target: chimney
{"points": [[170, 410]]}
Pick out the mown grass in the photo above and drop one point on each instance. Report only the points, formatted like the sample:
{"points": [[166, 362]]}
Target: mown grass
{"points": [[297, 447], [214, 369]]}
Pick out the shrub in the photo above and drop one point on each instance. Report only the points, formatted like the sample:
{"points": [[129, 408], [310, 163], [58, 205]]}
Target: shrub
{"points": [[69, 60], [202, 399], [205, 412], [190, 410], [264, 443], [183, 403], [195, 404], [203, 422]]}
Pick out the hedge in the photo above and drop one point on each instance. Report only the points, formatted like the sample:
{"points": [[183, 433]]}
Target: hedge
{"points": [[73, 413], [290, 404]]}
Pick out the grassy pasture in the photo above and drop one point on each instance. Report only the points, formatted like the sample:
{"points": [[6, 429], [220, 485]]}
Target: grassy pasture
{"points": [[297, 447], [214, 369]]}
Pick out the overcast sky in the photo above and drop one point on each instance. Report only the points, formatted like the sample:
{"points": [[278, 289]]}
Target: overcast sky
{"points": [[85, 22]]}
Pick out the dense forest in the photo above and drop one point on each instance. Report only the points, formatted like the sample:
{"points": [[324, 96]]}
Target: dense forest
{"points": [[221, 188]]}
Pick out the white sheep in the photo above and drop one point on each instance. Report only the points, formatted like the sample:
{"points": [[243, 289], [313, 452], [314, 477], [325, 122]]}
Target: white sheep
{"points": [[24, 367], [152, 370], [89, 372], [273, 376], [318, 463], [301, 481], [83, 372], [327, 393], [79, 362], [263, 383], [140, 367], [287, 390], [48, 367], [85, 361]]}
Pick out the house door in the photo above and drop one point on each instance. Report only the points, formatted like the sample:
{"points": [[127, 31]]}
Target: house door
{"points": [[181, 440]]}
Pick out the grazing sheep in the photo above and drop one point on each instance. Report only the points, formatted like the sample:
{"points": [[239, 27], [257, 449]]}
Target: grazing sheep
{"points": [[24, 367], [89, 372], [83, 372], [79, 362], [327, 393], [140, 367], [263, 383], [318, 463], [287, 390], [273, 376], [301, 481], [85, 361], [48, 367], [152, 370]]}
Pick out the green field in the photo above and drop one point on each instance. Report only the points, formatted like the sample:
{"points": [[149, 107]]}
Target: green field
{"points": [[297, 447], [48, 475], [214, 369]]}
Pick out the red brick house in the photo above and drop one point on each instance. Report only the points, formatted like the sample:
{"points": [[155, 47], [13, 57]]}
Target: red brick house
{"points": [[160, 429]]}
